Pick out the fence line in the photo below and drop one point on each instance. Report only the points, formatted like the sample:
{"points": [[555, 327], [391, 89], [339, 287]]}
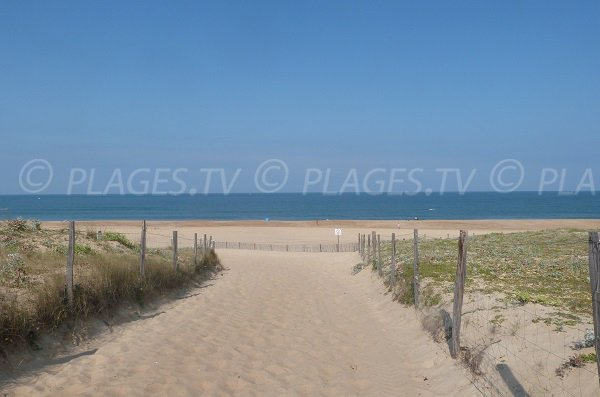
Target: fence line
{"points": [[509, 346], [331, 247]]}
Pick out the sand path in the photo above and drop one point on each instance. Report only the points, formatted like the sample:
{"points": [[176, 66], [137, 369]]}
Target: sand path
{"points": [[275, 324]]}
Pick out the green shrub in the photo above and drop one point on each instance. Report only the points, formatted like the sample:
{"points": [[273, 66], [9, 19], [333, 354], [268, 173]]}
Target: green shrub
{"points": [[119, 238]]}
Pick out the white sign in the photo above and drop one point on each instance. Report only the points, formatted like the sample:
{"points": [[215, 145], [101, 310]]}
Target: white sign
{"points": [[338, 232]]}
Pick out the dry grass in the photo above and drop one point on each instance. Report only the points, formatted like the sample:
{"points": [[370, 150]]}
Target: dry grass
{"points": [[32, 281]]}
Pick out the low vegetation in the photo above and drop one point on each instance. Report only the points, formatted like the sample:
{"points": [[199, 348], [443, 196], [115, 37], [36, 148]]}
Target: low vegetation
{"points": [[32, 279], [545, 267], [119, 238]]}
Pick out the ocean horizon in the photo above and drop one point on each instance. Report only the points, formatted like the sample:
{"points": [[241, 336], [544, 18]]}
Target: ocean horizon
{"points": [[298, 206]]}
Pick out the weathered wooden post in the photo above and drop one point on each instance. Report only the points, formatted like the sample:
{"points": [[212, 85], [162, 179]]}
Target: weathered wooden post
{"points": [[210, 243], [175, 264], [594, 259], [195, 249], [362, 246], [143, 250], [379, 270], [368, 248], [416, 282], [393, 261], [374, 240], [459, 289], [70, 261], [358, 246], [205, 242]]}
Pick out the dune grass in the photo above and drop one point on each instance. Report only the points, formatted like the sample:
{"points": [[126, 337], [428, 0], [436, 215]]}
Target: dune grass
{"points": [[546, 267], [32, 280]]}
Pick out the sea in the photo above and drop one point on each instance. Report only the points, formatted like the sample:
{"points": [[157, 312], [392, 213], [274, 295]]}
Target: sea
{"points": [[297, 206]]}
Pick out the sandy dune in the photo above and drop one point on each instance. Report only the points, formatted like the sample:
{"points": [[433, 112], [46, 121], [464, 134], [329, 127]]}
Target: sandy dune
{"points": [[275, 324]]}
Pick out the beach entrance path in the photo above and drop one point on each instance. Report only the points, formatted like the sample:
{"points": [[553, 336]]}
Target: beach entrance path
{"points": [[275, 324]]}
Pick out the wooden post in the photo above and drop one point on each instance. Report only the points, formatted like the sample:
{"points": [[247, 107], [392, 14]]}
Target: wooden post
{"points": [[358, 246], [205, 247], [210, 243], [368, 248], [338, 244], [195, 249], [379, 270], [374, 240], [143, 250], [175, 264], [459, 289], [70, 261], [393, 261], [320, 248], [594, 258], [416, 282], [361, 249]]}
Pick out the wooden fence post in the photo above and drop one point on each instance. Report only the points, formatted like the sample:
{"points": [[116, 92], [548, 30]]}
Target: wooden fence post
{"points": [[358, 246], [210, 243], [379, 271], [143, 250], [205, 247], [459, 289], [393, 261], [594, 259], [360, 250], [70, 261], [175, 264], [362, 246], [368, 248], [374, 241], [195, 249], [416, 282]]}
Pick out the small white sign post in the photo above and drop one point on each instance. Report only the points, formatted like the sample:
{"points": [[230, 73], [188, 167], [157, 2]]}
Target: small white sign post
{"points": [[338, 233]]}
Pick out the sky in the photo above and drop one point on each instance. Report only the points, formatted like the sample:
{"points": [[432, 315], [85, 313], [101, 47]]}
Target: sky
{"points": [[108, 85]]}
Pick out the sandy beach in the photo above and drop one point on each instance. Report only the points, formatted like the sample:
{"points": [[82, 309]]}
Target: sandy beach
{"points": [[310, 232], [274, 324]]}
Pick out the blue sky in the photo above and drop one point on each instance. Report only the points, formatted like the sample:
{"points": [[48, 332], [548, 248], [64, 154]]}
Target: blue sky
{"points": [[318, 84]]}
